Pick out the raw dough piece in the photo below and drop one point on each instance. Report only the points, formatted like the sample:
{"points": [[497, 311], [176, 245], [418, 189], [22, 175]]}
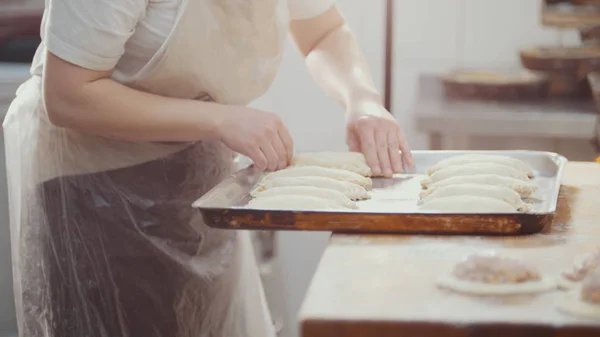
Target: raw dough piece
{"points": [[586, 301], [476, 288], [352, 191], [467, 204], [566, 284], [349, 161], [483, 158], [582, 267], [312, 191], [590, 289], [573, 304], [319, 171], [478, 190], [294, 203], [524, 188], [495, 275], [472, 169]]}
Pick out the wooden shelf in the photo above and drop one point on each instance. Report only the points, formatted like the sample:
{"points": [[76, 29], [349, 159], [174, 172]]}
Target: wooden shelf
{"points": [[565, 15]]}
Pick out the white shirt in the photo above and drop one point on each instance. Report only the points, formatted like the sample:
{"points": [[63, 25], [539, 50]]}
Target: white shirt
{"points": [[124, 35]]}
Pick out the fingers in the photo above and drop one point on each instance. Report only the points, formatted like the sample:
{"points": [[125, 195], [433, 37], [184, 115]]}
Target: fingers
{"points": [[407, 157], [259, 159], [383, 153], [394, 152], [369, 148], [260, 135], [282, 153], [270, 153], [276, 146], [353, 141], [384, 145], [288, 143]]}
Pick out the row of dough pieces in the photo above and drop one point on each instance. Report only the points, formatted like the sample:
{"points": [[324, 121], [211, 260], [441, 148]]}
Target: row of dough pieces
{"points": [[335, 180], [478, 183], [315, 181], [499, 275]]}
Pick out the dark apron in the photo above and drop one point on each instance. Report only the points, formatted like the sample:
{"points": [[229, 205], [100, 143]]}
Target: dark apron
{"points": [[104, 278]]}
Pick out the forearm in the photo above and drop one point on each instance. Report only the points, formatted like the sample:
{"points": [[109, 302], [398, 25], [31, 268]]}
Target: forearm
{"points": [[91, 102], [112, 110], [337, 64], [340, 68]]}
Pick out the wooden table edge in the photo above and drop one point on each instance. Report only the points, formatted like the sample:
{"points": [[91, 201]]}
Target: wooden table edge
{"points": [[374, 328]]}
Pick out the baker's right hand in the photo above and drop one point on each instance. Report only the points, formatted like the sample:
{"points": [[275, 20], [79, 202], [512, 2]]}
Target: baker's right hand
{"points": [[259, 135]]}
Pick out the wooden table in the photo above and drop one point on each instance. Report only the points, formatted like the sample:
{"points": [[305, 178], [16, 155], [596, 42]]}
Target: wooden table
{"points": [[383, 286]]}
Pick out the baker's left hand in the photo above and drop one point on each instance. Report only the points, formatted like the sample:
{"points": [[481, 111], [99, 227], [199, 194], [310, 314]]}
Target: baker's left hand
{"points": [[372, 130]]}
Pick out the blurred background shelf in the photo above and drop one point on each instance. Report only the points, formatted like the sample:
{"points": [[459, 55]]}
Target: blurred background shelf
{"points": [[464, 124], [570, 14]]}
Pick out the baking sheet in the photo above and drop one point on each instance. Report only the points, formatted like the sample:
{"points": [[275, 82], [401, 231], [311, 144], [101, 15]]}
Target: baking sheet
{"points": [[393, 204]]}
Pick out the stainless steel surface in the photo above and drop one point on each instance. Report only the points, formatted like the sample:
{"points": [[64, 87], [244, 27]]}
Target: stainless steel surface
{"points": [[399, 195]]}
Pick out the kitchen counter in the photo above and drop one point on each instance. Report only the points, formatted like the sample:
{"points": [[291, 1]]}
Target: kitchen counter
{"points": [[380, 286]]}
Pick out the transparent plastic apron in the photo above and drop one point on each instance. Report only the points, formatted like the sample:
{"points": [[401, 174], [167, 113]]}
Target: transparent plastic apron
{"points": [[104, 240]]}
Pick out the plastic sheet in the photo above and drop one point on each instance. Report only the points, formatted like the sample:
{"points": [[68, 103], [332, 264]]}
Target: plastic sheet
{"points": [[105, 241], [121, 252]]}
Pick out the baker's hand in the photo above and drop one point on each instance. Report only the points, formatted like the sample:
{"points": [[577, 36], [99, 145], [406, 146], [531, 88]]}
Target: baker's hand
{"points": [[372, 130], [259, 135]]}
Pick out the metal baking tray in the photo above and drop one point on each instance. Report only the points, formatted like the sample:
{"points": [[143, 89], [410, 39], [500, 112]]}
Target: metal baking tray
{"points": [[393, 206]]}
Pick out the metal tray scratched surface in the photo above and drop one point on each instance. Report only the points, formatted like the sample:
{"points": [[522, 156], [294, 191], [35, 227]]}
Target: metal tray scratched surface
{"points": [[393, 207]]}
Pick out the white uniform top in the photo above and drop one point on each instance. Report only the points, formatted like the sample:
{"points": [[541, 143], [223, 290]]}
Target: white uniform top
{"points": [[127, 35]]}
